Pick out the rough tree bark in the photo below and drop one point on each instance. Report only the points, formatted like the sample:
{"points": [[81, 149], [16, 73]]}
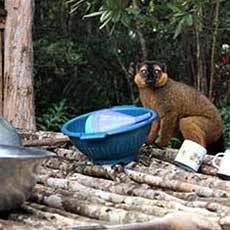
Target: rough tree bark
{"points": [[141, 36], [201, 81], [213, 49], [18, 81], [3, 14], [1, 66]]}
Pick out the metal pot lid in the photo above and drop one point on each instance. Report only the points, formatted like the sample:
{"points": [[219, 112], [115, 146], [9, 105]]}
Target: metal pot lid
{"points": [[8, 134], [19, 152], [11, 144]]}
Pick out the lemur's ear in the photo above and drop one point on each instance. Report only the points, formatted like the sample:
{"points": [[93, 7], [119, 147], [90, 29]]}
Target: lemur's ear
{"points": [[164, 67]]}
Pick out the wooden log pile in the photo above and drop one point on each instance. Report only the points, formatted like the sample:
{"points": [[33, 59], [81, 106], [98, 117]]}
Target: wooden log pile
{"points": [[72, 193]]}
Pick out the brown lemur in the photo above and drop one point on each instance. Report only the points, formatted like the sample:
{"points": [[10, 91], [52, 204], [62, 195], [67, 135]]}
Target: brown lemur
{"points": [[181, 109]]}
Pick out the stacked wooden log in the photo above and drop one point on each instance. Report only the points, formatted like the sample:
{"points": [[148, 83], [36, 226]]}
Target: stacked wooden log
{"points": [[72, 193]]}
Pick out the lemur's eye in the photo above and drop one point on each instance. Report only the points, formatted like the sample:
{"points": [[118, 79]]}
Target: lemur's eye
{"points": [[157, 71], [144, 71]]}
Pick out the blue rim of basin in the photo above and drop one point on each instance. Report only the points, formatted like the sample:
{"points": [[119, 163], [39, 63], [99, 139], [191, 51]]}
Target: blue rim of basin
{"points": [[100, 135]]}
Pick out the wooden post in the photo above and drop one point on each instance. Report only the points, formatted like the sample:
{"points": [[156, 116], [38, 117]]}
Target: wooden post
{"points": [[18, 64], [3, 14]]}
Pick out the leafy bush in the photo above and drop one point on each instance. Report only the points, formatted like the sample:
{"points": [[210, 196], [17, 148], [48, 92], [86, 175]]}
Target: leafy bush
{"points": [[88, 66], [54, 118], [225, 115]]}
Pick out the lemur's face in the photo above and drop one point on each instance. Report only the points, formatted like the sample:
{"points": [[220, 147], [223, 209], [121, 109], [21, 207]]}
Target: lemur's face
{"points": [[149, 74]]}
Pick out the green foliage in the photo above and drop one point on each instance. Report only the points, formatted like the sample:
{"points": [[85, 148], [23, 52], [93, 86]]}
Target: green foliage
{"points": [[182, 16], [77, 58], [109, 11], [185, 14], [60, 53], [117, 13], [54, 117], [225, 115], [55, 63], [174, 143]]}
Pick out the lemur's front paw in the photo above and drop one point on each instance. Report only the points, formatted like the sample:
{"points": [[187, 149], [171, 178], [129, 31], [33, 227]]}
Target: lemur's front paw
{"points": [[160, 143], [149, 140]]}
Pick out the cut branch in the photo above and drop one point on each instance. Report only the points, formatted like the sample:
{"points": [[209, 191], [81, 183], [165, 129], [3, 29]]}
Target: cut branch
{"points": [[175, 185], [50, 142], [72, 204], [149, 206], [119, 188]]}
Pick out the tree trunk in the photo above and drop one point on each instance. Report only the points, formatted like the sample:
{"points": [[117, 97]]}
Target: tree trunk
{"points": [[3, 14], [141, 37], [201, 76], [213, 51], [1, 72], [18, 80]]}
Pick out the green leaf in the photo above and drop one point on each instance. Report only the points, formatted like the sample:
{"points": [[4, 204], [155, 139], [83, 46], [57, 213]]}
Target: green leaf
{"points": [[106, 14], [189, 20], [172, 7], [75, 6], [125, 20], [69, 1], [93, 14], [105, 23], [180, 14], [116, 17], [133, 11], [178, 28], [151, 7]]}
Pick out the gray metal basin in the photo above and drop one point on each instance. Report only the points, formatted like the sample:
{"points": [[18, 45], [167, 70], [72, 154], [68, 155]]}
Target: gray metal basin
{"points": [[18, 166]]}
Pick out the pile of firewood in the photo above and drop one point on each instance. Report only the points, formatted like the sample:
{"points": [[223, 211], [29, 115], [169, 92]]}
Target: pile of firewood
{"points": [[72, 193]]}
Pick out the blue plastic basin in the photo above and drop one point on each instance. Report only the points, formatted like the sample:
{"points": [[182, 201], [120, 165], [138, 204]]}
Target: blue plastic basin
{"points": [[116, 146]]}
